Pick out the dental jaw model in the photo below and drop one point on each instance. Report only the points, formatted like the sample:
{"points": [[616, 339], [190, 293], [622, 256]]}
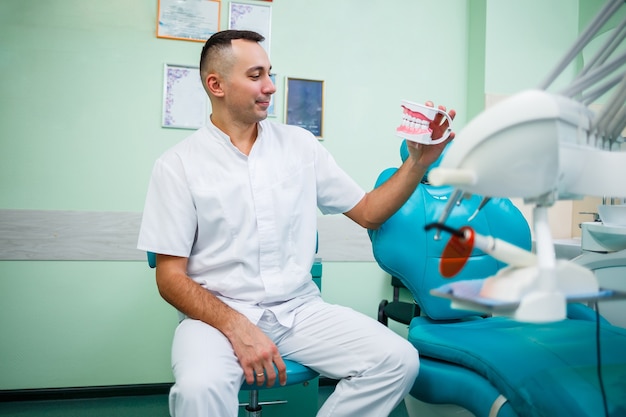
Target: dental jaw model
{"points": [[542, 147], [416, 120]]}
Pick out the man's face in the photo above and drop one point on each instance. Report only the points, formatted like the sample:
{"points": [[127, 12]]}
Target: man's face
{"points": [[248, 87]]}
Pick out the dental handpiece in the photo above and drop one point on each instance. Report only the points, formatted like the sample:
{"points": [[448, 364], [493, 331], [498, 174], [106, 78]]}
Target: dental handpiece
{"points": [[501, 250]]}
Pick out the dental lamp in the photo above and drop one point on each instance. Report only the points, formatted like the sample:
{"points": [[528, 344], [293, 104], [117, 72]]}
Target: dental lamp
{"points": [[542, 147]]}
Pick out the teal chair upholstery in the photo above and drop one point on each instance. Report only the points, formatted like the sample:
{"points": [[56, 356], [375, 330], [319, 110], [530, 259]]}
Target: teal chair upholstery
{"points": [[296, 372], [495, 366]]}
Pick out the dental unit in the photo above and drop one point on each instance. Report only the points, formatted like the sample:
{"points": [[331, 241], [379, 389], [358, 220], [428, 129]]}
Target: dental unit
{"points": [[542, 147], [504, 329]]}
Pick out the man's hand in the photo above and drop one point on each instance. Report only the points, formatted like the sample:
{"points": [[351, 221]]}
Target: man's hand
{"points": [[425, 155], [257, 355]]}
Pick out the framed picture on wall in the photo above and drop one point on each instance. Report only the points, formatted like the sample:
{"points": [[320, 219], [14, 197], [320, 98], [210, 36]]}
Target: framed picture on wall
{"points": [[304, 104], [256, 17], [185, 103], [188, 20]]}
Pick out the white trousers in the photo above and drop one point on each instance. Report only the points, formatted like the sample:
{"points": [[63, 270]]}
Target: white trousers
{"points": [[375, 367]]}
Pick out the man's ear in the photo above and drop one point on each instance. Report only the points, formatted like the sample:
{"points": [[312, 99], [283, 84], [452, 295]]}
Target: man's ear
{"points": [[213, 85]]}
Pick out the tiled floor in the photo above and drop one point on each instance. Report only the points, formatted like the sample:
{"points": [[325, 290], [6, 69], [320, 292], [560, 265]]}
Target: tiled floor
{"points": [[141, 406], [136, 406], [325, 391]]}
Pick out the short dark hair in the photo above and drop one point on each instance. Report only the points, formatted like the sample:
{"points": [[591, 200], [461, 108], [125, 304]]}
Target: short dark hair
{"points": [[223, 39]]}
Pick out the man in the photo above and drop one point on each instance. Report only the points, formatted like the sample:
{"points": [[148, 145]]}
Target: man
{"points": [[231, 212]]}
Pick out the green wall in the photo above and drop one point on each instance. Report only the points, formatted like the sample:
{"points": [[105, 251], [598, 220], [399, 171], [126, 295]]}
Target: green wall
{"points": [[67, 324], [81, 96], [82, 88], [80, 128], [523, 50]]}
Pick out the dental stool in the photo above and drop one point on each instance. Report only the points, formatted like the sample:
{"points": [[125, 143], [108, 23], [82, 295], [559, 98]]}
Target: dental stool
{"points": [[296, 372], [494, 366]]}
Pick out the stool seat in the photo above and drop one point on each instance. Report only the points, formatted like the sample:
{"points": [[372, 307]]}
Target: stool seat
{"points": [[296, 374]]}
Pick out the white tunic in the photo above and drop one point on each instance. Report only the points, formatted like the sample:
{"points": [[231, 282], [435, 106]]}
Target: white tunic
{"points": [[247, 224]]}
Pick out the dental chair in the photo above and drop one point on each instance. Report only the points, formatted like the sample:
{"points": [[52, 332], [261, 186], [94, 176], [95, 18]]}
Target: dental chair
{"points": [[296, 372], [396, 309], [488, 364]]}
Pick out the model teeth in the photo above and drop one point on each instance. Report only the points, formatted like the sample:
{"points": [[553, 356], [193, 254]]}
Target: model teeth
{"points": [[416, 120], [414, 123]]}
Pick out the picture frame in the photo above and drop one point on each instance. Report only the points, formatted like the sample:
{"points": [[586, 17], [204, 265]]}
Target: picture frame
{"points": [[185, 103], [304, 104], [255, 17], [190, 20]]}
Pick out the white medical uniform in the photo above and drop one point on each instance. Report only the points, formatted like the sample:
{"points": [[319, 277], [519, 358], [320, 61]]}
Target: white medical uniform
{"points": [[248, 225]]}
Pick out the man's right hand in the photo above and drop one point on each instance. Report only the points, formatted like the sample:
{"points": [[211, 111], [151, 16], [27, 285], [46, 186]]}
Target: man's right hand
{"points": [[258, 355]]}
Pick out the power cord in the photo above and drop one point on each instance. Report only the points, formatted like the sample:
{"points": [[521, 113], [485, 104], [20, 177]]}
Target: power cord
{"points": [[599, 359], [441, 226]]}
